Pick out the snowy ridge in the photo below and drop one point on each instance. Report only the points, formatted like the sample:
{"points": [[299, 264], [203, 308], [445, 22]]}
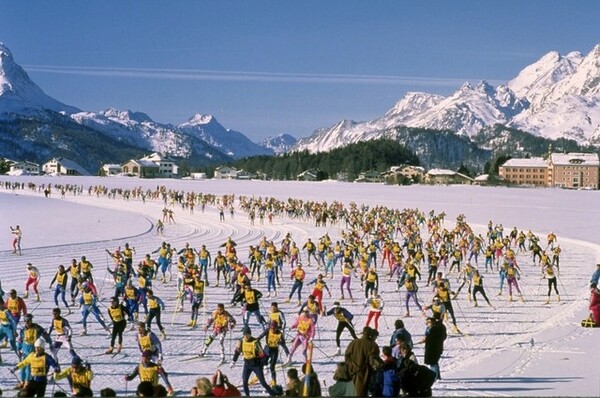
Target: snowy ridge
{"points": [[202, 134], [557, 96], [279, 144], [19, 95], [231, 142]]}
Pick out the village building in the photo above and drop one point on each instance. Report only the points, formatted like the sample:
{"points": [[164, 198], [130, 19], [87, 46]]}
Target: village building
{"points": [[24, 167], [225, 173], [151, 166], [526, 171], [141, 168], [244, 175], [64, 167], [574, 170], [445, 176], [562, 170], [307, 175], [167, 168], [369, 176], [110, 169]]}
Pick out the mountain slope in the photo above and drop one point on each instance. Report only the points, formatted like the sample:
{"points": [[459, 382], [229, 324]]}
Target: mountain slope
{"points": [[279, 144], [201, 141], [19, 95], [230, 142], [555, 97], [565, 95], [465, 112]]}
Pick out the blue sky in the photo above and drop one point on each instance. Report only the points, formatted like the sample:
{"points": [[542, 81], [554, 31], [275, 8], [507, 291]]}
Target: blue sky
{"points": [[269, 67]]}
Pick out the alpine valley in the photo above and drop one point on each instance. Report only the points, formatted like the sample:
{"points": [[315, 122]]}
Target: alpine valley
{"points": [[553, 102]]}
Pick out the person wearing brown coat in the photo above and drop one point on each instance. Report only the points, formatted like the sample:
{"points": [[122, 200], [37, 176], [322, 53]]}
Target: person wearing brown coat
{"points": [[362, 358]]}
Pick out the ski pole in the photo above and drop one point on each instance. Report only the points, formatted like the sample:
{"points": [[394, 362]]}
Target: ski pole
{"points": [[561, 285], [538, 287]]}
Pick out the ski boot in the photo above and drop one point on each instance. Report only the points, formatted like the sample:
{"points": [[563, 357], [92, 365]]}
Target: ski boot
{"points": [[109, 351]]}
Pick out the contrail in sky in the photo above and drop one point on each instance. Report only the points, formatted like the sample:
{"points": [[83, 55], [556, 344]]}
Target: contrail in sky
{"points": [[244, 76]]}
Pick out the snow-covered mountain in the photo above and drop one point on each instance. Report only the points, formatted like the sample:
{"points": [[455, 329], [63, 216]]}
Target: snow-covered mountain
{"points": [[280, 143], [19, 95], [230, 142], [202, 136], [565, 97], [558, 96]]}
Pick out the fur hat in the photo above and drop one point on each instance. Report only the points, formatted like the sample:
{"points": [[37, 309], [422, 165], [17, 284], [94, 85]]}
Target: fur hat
{"points": [[40, 343]]}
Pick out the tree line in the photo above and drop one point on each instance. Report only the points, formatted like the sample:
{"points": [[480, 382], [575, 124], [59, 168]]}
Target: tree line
{"points": [[349, 161]]}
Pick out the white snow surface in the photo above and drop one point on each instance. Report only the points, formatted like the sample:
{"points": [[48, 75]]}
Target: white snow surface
{"points": [[496, 357]]}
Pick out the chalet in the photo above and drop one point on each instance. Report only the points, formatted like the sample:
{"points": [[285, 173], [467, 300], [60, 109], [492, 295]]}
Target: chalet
{"points": [[369, 176], [24, 167], [166, 165], [141, 168], [412, 173], [64, 166], [307, 175], [110, 169], [244, 175], [444, 176], [225, 173]]}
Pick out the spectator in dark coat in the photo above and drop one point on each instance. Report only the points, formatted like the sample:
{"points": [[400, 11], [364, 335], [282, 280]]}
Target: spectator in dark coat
{"points": [[435, 334], [362, 357]]}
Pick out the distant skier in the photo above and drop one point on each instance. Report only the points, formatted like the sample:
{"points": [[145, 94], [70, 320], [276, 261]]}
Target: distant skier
{"points": [[18, 234]]}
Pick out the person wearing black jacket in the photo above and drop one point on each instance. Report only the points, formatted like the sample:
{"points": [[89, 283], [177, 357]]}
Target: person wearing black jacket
{"points": [[435, 334]]}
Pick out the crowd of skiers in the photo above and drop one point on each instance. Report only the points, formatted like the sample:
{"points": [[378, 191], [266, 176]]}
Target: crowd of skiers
{"points": [[376, 245]]}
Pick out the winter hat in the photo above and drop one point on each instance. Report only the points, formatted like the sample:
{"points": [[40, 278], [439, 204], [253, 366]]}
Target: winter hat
{"points": [[336, 303], [40, 343], [76, 361], [246, 330]]}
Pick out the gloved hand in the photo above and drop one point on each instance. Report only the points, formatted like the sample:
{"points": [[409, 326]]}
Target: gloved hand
{"points": [[231, 364]]}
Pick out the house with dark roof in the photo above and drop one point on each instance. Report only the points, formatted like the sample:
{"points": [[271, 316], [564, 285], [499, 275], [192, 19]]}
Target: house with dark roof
{"points": [[64, 166]]}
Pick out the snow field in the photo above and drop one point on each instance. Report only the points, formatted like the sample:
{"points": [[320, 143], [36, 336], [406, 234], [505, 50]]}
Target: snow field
{"points": [[495, 357]]}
